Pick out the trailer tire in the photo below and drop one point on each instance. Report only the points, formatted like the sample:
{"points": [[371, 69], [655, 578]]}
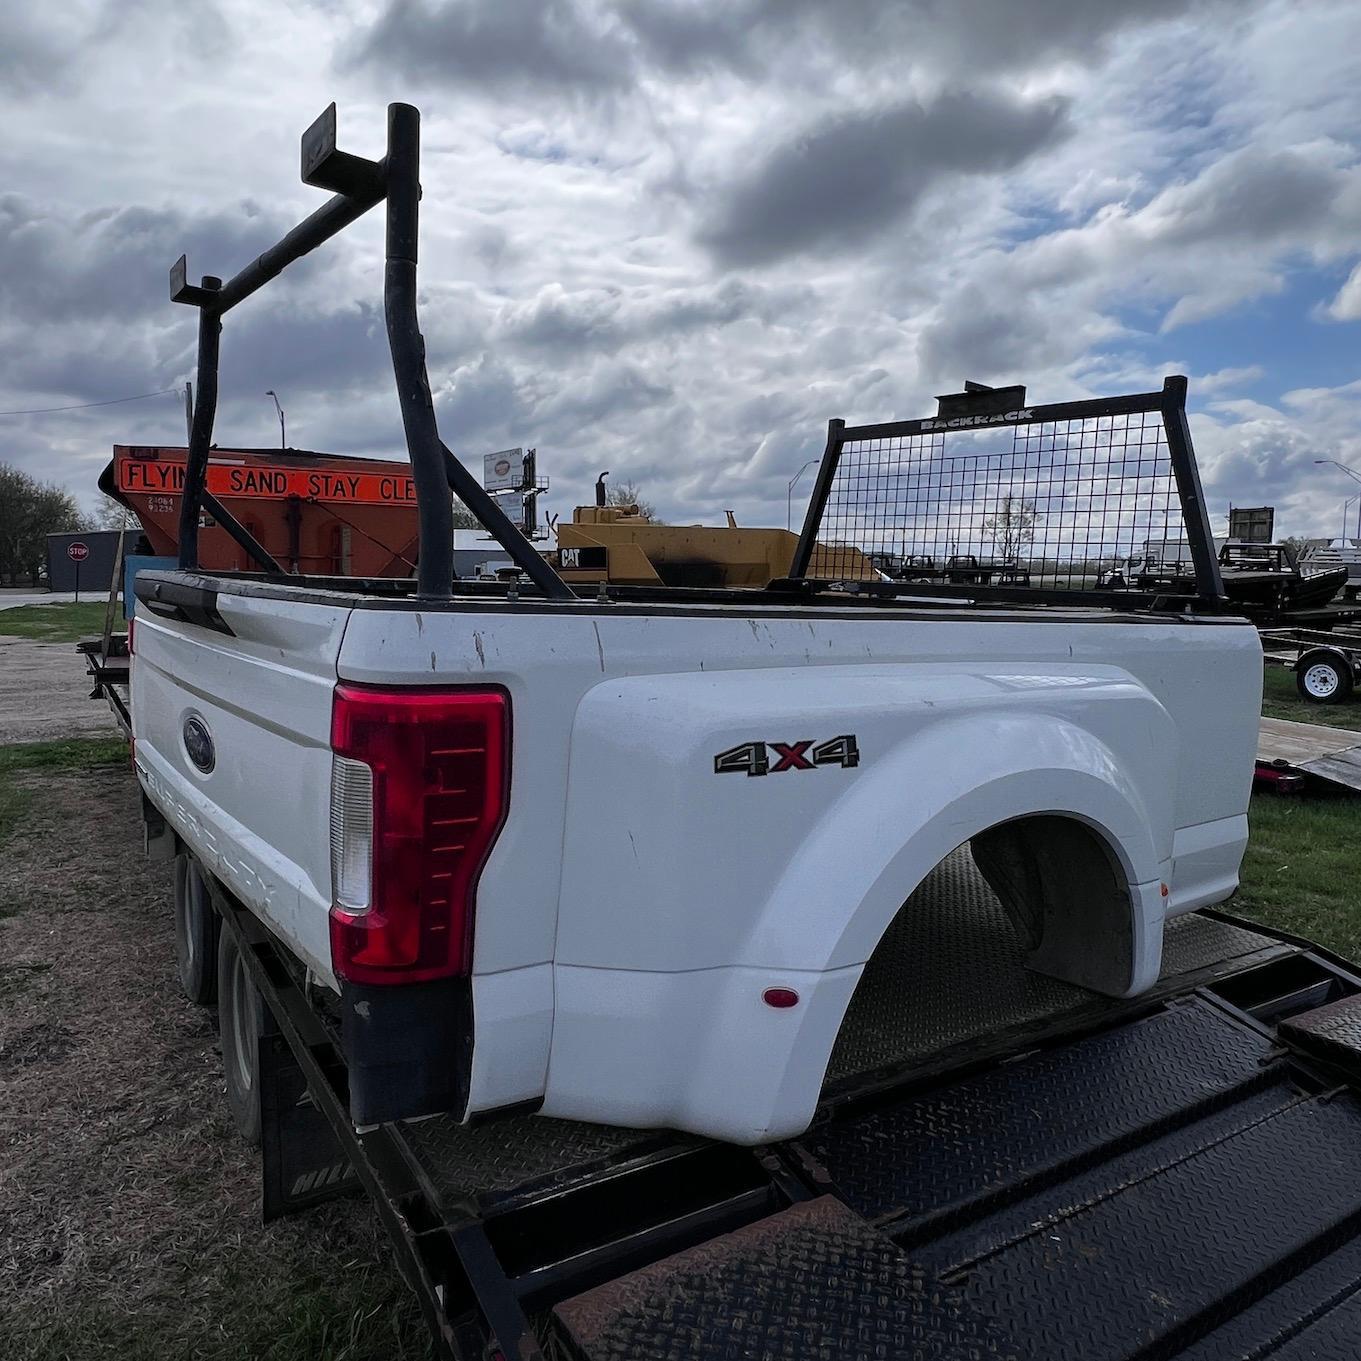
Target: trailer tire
{"points": [[197, 927], [242, 1018], [1323, 677]]}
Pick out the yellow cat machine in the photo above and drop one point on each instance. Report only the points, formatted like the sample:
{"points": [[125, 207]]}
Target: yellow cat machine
{"points": [[622, 546]]}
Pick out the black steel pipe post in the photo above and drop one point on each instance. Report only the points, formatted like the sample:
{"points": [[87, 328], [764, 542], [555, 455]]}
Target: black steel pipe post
{"points": [[518, 548], [822, 486], [332, 217], [1209, 582], [366, 186], [359, 185], [434, 505], [201, 428]]}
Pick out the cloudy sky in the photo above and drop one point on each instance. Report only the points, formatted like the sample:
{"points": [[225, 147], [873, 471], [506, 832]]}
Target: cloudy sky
{"points": [[671, 238]]}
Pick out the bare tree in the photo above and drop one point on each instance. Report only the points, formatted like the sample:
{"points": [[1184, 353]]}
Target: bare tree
{"points": [[110, 514], [1294, 544], [1013, 527], [628, 494], [29, 511], [464, 518]]}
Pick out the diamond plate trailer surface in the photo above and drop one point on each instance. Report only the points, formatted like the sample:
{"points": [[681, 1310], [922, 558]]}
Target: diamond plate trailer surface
{"points": [[1002, 1167], [1164, 1188]]}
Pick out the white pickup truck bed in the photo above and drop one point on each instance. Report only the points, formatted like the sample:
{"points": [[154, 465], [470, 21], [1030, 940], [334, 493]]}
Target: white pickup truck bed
{"points": [[652, 898]]}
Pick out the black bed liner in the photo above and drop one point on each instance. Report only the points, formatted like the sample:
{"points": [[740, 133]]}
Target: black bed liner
{"points": [[1003, 1167]]}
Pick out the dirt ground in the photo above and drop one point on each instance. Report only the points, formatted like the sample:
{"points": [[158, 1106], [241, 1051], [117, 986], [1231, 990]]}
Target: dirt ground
{"points": [[55, 673], [129, 1209]]}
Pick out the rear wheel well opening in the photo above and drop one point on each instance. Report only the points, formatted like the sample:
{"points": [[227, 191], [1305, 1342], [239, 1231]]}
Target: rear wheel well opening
{"points": [[1002, 931], [1068, 896]]}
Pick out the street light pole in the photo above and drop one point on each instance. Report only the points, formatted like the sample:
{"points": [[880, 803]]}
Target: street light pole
{"points": [[1346, 468], [283, 442], [789, 497], [1356, 477]]}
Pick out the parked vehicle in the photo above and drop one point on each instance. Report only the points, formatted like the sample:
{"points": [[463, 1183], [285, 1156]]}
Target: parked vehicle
{"points": [[503, 885], [929, 860]]}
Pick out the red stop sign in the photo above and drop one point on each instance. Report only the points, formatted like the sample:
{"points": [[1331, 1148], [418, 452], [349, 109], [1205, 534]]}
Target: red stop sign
{"points": [[77, 551]]}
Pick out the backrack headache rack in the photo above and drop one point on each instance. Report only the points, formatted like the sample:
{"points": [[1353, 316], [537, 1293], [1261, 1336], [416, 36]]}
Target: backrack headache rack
{"points": [[1089, 502], [357, 185]]}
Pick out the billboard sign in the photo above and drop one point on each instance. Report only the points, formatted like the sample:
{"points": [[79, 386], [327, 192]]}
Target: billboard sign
{"points": [[504, 471]]}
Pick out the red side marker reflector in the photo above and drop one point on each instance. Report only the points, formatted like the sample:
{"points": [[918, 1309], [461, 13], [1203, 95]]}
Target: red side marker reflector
{"points": [[780, 998], [1165, 890]]}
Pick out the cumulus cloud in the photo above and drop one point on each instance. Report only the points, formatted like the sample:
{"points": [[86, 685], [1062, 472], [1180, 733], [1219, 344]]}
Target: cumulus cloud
{"points": [[843, 180], [543, 44], [1346, 306], [673, 239]]}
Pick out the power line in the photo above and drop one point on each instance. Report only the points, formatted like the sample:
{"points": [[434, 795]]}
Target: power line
{"points": [[82, 406]]}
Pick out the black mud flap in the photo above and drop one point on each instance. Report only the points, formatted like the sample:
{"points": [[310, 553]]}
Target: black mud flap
{"points": [[408, 1048], [303, 1163]]}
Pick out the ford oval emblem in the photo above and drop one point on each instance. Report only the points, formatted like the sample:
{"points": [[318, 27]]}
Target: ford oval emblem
{"points": [[198, 742]]}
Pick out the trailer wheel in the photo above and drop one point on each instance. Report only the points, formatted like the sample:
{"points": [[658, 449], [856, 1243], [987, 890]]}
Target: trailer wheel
{"points": [[1323, 678], [241, 1019], [196, 931]]}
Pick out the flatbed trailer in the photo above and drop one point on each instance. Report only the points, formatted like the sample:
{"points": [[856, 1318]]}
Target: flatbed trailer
{"points": [[1003, 1166], [109, 668], [1325, 660], [1322, 618]]}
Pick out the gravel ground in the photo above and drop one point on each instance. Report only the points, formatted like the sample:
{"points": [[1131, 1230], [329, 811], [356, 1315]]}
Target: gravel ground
{"points": [[44, 693], [129, 1209]]}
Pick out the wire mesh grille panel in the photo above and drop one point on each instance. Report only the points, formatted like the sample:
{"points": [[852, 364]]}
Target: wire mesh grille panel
{"points": [[1081, 502]]}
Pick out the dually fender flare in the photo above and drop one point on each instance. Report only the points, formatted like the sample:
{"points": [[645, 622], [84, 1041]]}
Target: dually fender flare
{"points": [[941, 787]]}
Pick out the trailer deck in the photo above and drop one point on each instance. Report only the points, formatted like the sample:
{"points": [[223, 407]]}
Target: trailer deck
{"points": [[1311, 749], [1002, 1166]]}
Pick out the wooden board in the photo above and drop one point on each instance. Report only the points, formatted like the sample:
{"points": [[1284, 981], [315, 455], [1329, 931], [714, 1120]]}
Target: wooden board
{"points": [[1332, 754]]}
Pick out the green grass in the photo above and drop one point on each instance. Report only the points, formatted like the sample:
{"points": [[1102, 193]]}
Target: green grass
{"points": [[67, 753], [1302, 872], [62, 623], [1280, 699]]}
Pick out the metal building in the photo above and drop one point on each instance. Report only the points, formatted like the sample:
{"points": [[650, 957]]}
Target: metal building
{"points": [[96, 569]]}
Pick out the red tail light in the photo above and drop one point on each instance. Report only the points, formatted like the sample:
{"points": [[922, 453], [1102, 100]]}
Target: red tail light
{"points": [[419, 791]]}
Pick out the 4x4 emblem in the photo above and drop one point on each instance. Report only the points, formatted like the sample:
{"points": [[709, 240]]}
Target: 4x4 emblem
{"points": [[770, 758]]}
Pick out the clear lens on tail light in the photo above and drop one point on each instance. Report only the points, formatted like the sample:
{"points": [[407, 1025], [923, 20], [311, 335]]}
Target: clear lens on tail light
{"points": [[351, 834]]}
